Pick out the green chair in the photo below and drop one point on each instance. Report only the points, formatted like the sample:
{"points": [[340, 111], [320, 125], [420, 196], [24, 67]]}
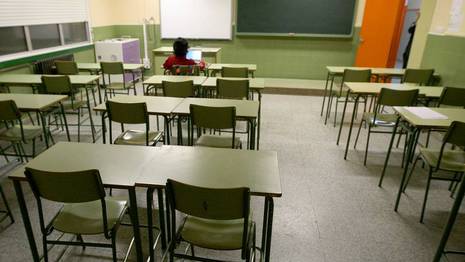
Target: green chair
{"points": [[178, 89], [112, 71], [349, 75], [451, 162], [85, 211], [235, 72], [66, 68], [232, 89], [418, 76], [15, 132], [131, 113], [452, 96], [377, 118], [217, 219], [7, 211], [61, 85], [214, 118], [189, 70]]}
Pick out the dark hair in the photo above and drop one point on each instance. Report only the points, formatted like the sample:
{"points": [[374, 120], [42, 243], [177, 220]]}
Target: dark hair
{"points": [[180, 47]]}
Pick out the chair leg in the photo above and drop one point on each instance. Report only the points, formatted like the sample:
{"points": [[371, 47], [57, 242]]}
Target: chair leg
{"points": [[398, 139], [44, 245], [335, 111], [8, 210], [410, 173], [368, 142], [113, 247], [79, 124], [426, 195], [192, 250], [358, 133], [21, 148]]}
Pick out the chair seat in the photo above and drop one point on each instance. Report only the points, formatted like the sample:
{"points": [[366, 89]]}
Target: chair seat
{"points": [[388, 120], [117, 86], [14, 133], [218, 141], [137, 137], [451, 160], [86, 218], [214, 234]]}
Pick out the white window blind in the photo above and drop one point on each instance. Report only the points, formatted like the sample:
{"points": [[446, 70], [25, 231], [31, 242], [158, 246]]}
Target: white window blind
{"points": [[35, 12]]}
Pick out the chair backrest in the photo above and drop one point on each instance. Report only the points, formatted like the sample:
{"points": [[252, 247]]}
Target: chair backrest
{"points": [[353, 75], [235, 72], [178, 89], [192, 70], [9, 111], [232, 89], [213, 117], [209, 203], [127, 113], [455, 136], [67, 187], [112, 68], [418, 76], [66, 68], [393, 97], [452, 96], [57, 84]]}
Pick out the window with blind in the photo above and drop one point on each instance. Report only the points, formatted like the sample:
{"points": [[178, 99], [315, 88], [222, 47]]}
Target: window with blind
{"points": [[36, 26]]}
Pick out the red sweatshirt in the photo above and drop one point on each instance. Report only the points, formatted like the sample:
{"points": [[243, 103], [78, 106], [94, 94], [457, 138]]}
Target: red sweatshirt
{"points": [[181, 60]]}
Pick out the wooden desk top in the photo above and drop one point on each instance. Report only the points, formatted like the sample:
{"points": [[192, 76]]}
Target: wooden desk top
{"points": [[35, 79], [254, 83], [215, 168], [119, 165], [96, 66], [251, 67], [157, 79], [453, 114], [244, 108], [375, 88], [33, 102], [156, 105], [339, 70]]}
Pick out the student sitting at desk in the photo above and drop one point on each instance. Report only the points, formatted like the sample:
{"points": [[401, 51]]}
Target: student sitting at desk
{"points": [[180, 48]]}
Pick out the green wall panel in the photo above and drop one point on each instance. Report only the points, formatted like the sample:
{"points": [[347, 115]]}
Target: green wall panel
{"points": [[446, 55]]}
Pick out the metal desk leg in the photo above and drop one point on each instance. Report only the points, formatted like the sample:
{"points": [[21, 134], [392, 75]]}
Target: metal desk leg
{"points": [[167, 130], [351, 125], [342, 118], [330, 99], [259, 118], [99, 91], [252, 134], [92, 127], [450, 222], [135, 222], [161, 215], [104, 128], [389, 152], [66, 122], [269, 227], [411, 144], [324, 95], [26, 220], [44, 128]]}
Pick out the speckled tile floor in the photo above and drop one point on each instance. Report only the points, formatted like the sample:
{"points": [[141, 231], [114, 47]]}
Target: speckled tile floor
{"points": [[331, 209]]}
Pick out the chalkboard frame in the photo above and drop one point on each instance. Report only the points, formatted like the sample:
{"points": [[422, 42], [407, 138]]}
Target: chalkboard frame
{"points": [[295, 35]]}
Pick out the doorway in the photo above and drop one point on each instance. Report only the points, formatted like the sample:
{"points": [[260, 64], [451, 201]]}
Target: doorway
{"points": [[411, 16]]}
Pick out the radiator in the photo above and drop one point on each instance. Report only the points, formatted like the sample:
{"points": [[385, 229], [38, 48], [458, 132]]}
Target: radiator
{"points": [[47, 66]]}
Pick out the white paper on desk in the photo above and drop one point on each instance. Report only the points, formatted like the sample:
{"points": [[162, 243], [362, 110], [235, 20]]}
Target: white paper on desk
{"points": [[426, 113]]}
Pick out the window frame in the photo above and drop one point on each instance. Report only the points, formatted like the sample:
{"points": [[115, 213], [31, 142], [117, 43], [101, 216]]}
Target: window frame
{"points": [[63, 46]]}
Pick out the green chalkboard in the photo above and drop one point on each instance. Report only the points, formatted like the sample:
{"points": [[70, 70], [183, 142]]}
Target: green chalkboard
{"points": [[327, 18]]}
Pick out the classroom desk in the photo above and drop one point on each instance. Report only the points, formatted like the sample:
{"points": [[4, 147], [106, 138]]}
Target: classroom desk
{"points": [[213, 69], [118, 165], [214, 168], [156, 105], [245, 109], [255, 85], [209, 54], [35, 81], [94, 68], [154, 82], [370, 89], [38, 103], [334, 71]]}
